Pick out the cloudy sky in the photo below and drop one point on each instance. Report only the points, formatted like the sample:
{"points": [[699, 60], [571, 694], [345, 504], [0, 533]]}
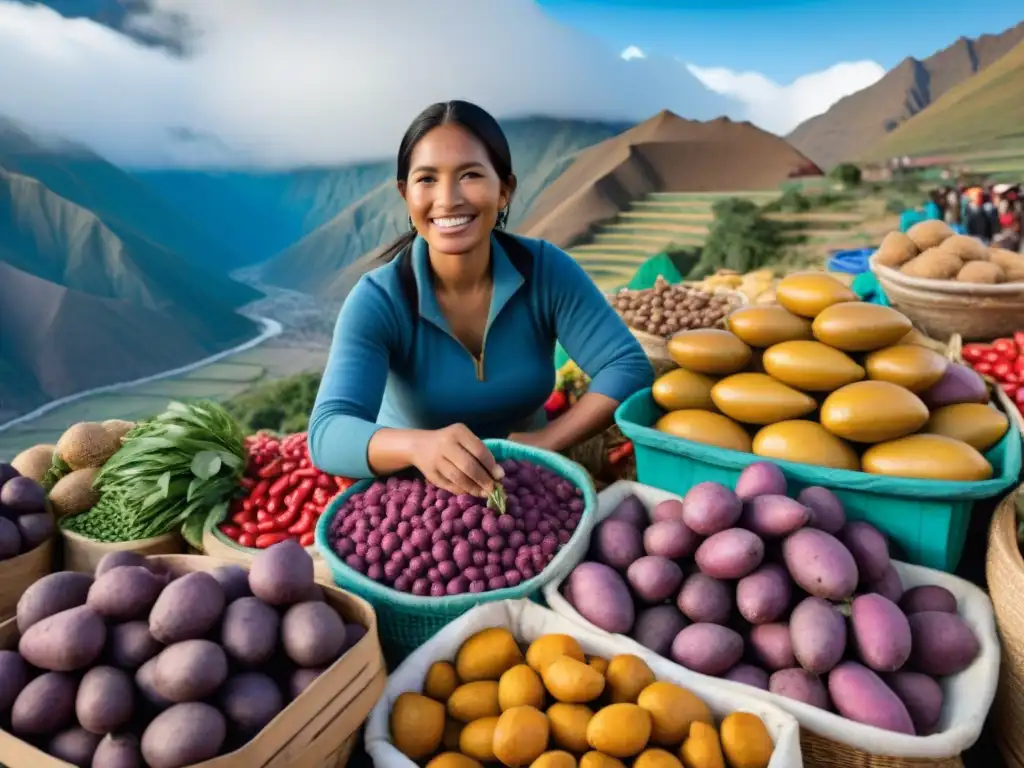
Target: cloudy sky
{"points": [[287, 82]]}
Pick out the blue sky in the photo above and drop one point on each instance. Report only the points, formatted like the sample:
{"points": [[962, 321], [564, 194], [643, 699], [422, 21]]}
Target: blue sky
{"points": [[784, 39]]}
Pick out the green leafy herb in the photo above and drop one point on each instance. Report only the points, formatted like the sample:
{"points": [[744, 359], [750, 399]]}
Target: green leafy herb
{"points": [[58, 469], [179, 469], [496, 499]]}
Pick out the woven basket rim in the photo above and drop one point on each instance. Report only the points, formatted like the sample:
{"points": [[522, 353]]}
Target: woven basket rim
{"points": [[947, 287], [75, 536]]}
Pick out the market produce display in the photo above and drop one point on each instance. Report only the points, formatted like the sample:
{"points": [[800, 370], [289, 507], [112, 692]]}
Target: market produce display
{"points": [[668, 308], [824, 379], [283, 493], [415, 537], [931, 250], [138, 666], [175, 471], [551, 706], [25, 519], [758, 286], [777, 592]]}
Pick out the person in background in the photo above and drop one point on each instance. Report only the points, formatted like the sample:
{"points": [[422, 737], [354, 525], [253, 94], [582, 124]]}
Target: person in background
{"points": [[977, 219], [933, 208], [409, 381], [952, 207]]}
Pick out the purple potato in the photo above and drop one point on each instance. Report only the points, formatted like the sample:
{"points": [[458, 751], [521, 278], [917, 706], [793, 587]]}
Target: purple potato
{"points": [[65, 642], [250, 701], [705, 600], [35, 528], [771, 647], [617, 543], [657, 627], [928, 597], [183, 735], [654, 579], [22, 496], [710, 649], [234, 580], [124, 594], [762, 478], [670, 509], [889, 586], [130, 645], [52, 594], [118, 751], [763, 596], [820, 564], [798, 684], [45, 706], [881, 633], [302, 678], [748, 674], [75, 745], [14, 676], [602, 597], [105, 700], [353, 634], [670, 538], [959, 384], [818, 634], [942, 643], [7, 472], [827, 513], [118, 559], [773, 516], [861, 695], [709, 508], [730, 554], [869, 548], [631, 510], [921, 695], [10, 539]]}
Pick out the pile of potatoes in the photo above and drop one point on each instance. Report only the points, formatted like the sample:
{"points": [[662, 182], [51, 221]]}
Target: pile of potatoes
{"points": [[554, 707], [137, 666], [824, 379], [757, 286], [780, 593], [668, 308], [931, 250], [67, 469]]}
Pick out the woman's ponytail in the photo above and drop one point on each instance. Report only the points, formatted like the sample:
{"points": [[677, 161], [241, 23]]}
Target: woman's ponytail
{"points": [[402, 242]]}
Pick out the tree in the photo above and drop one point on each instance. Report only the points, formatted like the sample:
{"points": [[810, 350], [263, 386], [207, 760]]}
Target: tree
{"points": [[741, 239], [847, 174]]}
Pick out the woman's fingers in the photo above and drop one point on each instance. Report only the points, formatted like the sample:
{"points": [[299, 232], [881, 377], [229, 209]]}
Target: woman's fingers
{"points": [[476, 448], [458, 478]]}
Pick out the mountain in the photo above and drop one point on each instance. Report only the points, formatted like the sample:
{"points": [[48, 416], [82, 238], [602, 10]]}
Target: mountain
{"points": [[55, 341], [128, 207], [258, 214], [976, 113], [857, 122], [663, 154], [541, 149]]}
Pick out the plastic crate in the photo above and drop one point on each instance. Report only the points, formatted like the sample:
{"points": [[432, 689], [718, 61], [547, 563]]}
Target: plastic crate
{"points": [[406, 621], [926, 519]]}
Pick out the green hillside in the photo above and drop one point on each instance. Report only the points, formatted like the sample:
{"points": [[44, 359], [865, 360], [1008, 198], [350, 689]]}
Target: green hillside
{"points": [[985, 110], [542, 148]]}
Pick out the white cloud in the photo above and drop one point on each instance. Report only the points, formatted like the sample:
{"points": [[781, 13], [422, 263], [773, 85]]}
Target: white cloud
{"points": [[632, 52], [779, 108], [317, 81]]}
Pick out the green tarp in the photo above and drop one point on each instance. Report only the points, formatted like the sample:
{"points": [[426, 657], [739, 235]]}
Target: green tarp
{"points": [[661, 265]]}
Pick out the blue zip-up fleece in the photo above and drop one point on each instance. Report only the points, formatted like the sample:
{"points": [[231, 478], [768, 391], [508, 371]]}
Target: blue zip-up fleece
{"points": [[387, 370]]}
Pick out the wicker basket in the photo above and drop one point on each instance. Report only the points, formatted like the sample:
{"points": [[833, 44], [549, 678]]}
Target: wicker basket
{"points": [[83, 554], [21, 572], [1004, 571], [825, 753], [1006, 404], [942, 308]]}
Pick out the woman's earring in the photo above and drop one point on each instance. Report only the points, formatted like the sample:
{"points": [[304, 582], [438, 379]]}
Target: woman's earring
{"points": [[502, 218], [412, 227]]}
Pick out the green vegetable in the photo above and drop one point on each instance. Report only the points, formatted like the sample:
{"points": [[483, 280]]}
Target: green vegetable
{"points": [[58, 469], [180, 468], [496, 499]]}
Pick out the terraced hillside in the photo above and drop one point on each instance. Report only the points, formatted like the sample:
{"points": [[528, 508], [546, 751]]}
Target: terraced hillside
{"points": [[667, 221]]}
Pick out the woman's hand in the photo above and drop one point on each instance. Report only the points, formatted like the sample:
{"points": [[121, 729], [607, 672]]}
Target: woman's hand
{"points": [[455, 459]]}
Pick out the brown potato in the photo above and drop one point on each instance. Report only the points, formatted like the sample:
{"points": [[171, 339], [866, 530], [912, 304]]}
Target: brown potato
{"points": [[1011, 263], [933, 264], [981, 272], [965, 248], [928, 234], [896, 250]]}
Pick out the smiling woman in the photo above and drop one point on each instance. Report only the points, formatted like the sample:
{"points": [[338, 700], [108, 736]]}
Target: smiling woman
{"points": [[408, 382]]}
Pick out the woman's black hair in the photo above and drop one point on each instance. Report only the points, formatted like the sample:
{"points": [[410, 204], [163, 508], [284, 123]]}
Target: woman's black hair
{"points": [[468, 116]]}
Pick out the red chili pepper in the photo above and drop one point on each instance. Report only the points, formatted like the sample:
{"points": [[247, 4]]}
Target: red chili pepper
{"points": [[305, 472], [268, 526], [324, 481], [1018, 339], [231, 531], [304, 463], [248, 483], [320, 496], [983, 368], [240, 518], [280, 485], [302, 493], [343, 483], [992, 357], [1010, 378], [1010, 388], [1018, 397], [259, 492], [1018, 366], [1006, 347], [247, 539], [249, 526], [263, 515], [287, 518], [1002, 369], [304, 525], [973, 353], [265, 540], [273, 506], [307, 539], [272, 469], [289, 466]]}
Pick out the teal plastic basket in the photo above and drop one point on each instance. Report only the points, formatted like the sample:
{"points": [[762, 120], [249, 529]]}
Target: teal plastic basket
{"points": [[927, 519], [406, 621]]}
